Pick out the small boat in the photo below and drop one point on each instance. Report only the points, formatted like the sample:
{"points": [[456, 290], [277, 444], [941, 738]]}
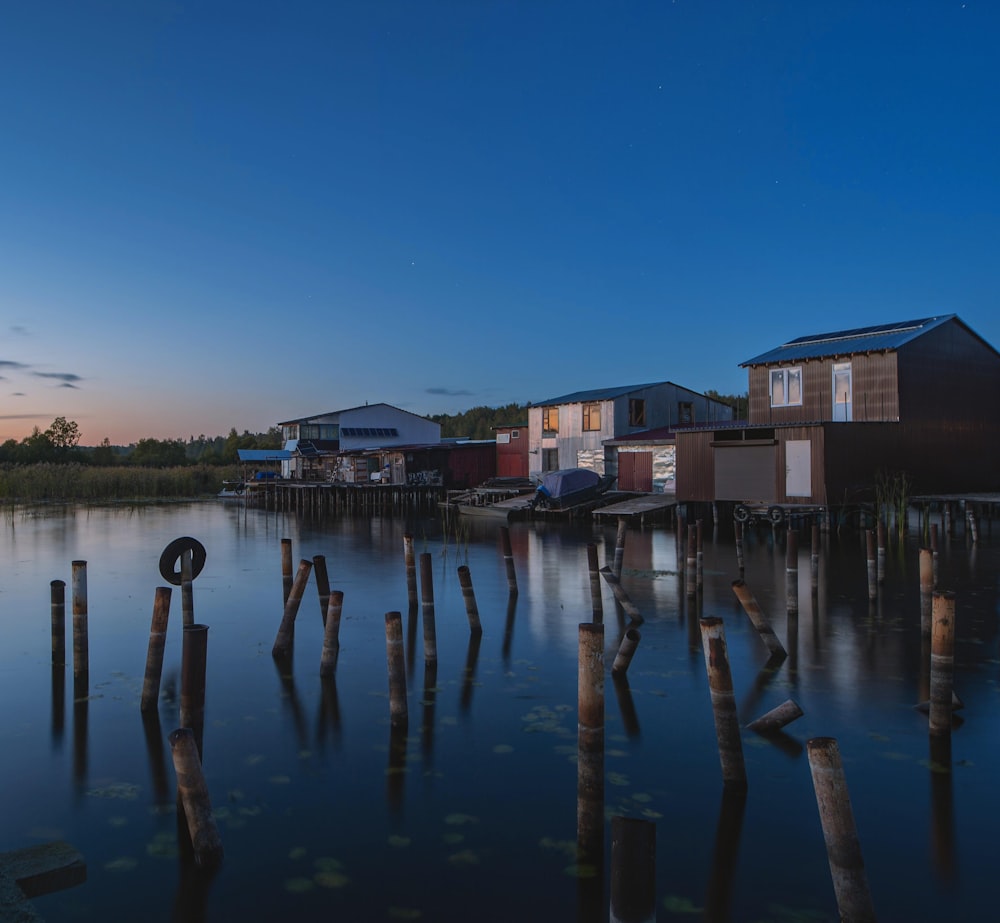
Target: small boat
{"points": [[232, 489], [569, 487]]}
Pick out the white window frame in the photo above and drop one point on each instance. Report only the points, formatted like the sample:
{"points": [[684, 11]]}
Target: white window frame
{"points": [[787, 375]]}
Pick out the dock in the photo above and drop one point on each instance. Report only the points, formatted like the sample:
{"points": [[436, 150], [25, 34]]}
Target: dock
{"points": [[641, 506]]}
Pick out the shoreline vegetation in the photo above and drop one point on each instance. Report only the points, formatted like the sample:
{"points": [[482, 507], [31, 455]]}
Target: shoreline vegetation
{"points": [[73, 482]]}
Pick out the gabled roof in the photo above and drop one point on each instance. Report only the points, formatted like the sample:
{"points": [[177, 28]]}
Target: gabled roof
{"points": [[598, 394], [881, 338], [333, 416]]}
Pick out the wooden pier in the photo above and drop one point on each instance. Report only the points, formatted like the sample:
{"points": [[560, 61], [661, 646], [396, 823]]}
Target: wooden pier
{"points": [[318, 498], [642, 506]]}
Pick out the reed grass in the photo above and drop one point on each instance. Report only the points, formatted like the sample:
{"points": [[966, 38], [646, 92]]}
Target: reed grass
{"points": [[46, 482]]}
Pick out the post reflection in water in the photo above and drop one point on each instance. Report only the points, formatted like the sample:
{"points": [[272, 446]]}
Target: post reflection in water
{"points": [[942, 807], [718, 900], [156, 753], [508, 629], [329, 711], [626, 705], [81, 704], [469, 674], [590, 773], [284, 664], [58, 703]]}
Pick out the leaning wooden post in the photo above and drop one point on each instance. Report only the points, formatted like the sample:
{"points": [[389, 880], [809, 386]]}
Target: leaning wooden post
{"points": [[287, 577], [193, 792], [57, 598], [331, 634], [590, 740], [727, 724], [633, 870], [469, 595], [620, 545], [187, 588], [792, 571], [398, 714], [787, 712], [942, 662], [286, 630], [154, 653], [626, 651], [756, 616], [427, 607], [81, 643], [410, 560], [843, 850], [596, 601], [322, 584], [872, 566], [620, 595], [508, 558]]}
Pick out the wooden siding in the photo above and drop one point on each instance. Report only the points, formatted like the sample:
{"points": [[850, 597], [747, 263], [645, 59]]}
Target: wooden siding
{"points": [[635, 471], [695, 467]]}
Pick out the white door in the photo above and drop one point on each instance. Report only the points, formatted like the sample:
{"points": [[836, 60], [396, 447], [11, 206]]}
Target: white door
{"points": [[842, 392], [798, 461]]}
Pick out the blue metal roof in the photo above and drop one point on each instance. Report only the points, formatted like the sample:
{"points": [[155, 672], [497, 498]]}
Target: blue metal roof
{"points": [[883, 337], [262, 455], [598, 394]]}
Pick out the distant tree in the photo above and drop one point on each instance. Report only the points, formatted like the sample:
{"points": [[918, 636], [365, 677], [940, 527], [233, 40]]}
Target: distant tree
{"points": [[104, 454], [739, 402], [158, 453], [479, 422], [63, 434]]}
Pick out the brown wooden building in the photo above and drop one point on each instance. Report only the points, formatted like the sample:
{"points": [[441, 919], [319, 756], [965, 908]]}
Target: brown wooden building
{"points": [[512, 450], [830, 415]]}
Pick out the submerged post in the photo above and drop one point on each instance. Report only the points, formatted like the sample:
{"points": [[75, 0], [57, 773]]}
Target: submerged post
{"points": [[620, 545], [398, 714], [57, 596], [594, 566], [720, 682], [81, 643], [469, 595], [843, 850], [410, 560], [626, 651], [154, 653], [508, 557], [787, 712], [331, 634], [756, 616], [942, 662], [193, 792], [623, 598], [286, 630], [427, 607]]}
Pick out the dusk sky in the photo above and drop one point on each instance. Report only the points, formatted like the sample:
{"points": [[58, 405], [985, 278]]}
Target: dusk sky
{"points": [[229, 214]]}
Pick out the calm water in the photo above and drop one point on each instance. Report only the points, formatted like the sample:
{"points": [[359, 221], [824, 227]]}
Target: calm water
{"points": [[322, 817]]}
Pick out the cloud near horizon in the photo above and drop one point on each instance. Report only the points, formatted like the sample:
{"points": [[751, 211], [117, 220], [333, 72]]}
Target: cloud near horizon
{"points": [[67, 378], [448, 392]]}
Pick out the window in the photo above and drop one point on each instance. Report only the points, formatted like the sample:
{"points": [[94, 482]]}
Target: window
{"points": [[550, 459], [591, 418], [636, 412], [786, 387], [685, 413], [370, 431], [550, 419], [515, 434]]}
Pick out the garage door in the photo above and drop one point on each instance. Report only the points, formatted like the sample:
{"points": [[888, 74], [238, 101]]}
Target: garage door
{"points": [[635, 471], [745, 472]]}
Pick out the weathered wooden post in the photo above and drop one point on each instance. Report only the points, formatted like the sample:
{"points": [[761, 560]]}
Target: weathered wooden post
{"points": [[590, 744], [398, 714], [756, 616], [934, 551], [331, 634], [287, 576], [792, 571], [411, 570], [469, 596], [286, 630], [194, 660], [620, 545], [942, 662], [322, 584], [154, 653], [57, 598], [787, 712], [626, 651], [633, 870], [691, 562], [738, 531], [508, 558], [193, 793], [814, 557], [872, 565], [596, 601], [699, 556], [187, 588], [720, 682], [81, 642], [843, 850], [620, 595], [427, 606]]}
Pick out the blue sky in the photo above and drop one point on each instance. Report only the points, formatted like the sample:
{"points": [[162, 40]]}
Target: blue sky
{"points": [[219, 214]]}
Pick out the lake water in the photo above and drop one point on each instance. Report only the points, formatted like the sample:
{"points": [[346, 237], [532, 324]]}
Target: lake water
{"points": [[325, 814]]}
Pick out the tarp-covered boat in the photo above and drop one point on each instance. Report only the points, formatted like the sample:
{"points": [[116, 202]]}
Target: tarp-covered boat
{"points": [[568, 487]]}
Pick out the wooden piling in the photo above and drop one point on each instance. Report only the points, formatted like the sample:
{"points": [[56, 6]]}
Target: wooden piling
{"points": [[81, 642], [286, 630], [843, 849], [972, 519], [720, 682], [508, 557], [398, 714], [57, 598], [194, 660], [331, 634], [287, 575], [934, 551], [756, 616], [626, 651], [691, 562], [792, 571], [880, 557], [154, 652], [187, 588], [699, 556], [469, 596], [410, 560], [596, 601], [620, 545], [738, 530], [427, 607], [193, 793], [322, 584], [872, 564], [814, 557], [621, 596], [942, 662], [926, 590], [633, 870], [787, 712]]}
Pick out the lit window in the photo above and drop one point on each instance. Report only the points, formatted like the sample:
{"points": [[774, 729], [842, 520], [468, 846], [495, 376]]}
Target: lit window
{"points": [[591, 418], [550, 419]]}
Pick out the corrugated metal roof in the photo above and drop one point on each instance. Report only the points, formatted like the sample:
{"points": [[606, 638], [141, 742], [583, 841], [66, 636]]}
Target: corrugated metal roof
{"points": [[597, 394], [883, 337], [262, 455]]}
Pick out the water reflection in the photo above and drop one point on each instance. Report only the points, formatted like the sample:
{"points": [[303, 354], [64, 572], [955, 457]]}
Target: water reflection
{"points": [[728, 831]]}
